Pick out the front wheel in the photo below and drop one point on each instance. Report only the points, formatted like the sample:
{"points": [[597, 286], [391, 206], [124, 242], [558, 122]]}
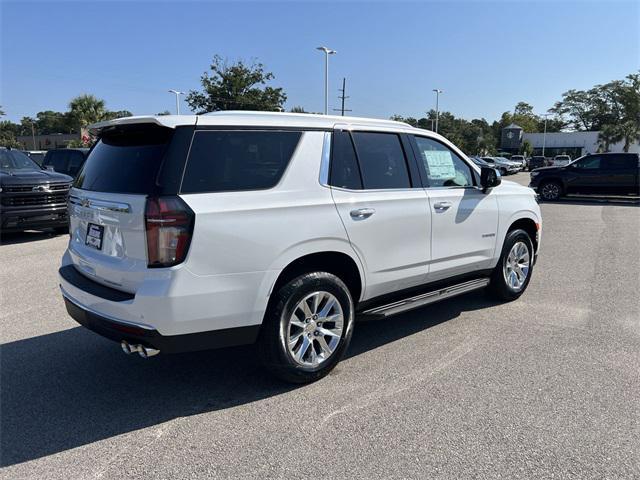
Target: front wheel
{"points": [[550, 190], [307, 327], [511, 276]]}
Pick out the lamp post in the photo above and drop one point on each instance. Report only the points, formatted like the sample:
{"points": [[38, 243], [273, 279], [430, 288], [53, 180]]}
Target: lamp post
{"points": [[544, 135], [327, 52], [177, 93], [438, 92]]}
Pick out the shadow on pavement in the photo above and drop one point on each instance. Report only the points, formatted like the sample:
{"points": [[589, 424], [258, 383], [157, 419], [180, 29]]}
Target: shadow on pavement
{"points": [[71, 388], [13, 238]]}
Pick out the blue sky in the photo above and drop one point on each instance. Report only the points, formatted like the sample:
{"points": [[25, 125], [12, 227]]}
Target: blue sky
{"points": [[485, 55]]}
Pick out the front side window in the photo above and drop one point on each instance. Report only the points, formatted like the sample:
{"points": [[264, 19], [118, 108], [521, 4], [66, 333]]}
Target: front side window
{"points": [[588, 163], [443, 168], [382, 161], [225, 161]]}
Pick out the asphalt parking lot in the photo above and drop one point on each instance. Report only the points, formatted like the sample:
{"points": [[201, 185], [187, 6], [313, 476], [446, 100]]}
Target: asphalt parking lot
{"points": [[544, 387]]}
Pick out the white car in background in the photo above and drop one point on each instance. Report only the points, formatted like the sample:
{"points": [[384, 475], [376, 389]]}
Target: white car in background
{"points": [[561, 160], [196, 232]]}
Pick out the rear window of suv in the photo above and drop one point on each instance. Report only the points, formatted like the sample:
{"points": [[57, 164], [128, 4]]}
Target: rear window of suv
{"points": [[233, 160], [125, 160]]}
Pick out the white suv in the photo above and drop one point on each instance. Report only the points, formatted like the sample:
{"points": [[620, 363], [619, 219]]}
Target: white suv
{"points": [[197, 232]]}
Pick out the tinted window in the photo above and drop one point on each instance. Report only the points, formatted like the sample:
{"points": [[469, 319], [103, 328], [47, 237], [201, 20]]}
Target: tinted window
{"points": [[14, 160], [60, 161], [344, 164], [382, 161], [442, 166], [620, 162], [588, 163], [125, 160], [222, 161]]}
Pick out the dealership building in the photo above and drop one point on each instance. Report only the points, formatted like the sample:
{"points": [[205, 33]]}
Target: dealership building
{"points": [[574, 144]]}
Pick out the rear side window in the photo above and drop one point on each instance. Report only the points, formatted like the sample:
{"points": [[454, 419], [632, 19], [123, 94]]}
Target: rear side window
{"points": [[382, 161], [620, 162], [225, 161], [125, 160], [344, 163]]}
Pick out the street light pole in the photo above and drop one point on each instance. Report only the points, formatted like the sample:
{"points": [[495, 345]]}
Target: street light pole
{"points": [[438, 92], [544, 135], [327, 52], [177, 93]]}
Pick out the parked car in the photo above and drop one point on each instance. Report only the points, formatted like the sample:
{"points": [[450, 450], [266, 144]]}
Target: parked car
{"points": [[66, 160], [561, 160], [520, 159], [31, 198], [504, 167], [603, 173], [196, 232], [36, 155], [537, 161]]}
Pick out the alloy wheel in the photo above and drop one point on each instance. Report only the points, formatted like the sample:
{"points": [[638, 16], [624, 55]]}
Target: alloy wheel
{"points": [[315, 329], [516, 266]]}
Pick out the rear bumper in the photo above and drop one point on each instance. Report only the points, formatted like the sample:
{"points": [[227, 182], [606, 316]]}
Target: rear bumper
{"points": [[24, 219], [118, 330]]}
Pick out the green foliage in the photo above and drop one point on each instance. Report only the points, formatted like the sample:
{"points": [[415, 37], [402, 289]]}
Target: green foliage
{"points": [[235, 87], [526, 148], [166, 112], [298, 109], [87, 109], [472, 137], [612, 108]]}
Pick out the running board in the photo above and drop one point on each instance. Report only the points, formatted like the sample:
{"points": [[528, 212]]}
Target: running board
{"points": [[426, 298]]}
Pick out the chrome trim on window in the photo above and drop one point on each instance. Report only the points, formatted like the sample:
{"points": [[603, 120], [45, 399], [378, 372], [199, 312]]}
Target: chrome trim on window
{"points": [[324, 163], [100, 204]]}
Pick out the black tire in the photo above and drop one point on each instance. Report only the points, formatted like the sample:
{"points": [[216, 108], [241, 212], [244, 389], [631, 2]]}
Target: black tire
{"points": [[498, 285], [503, 172], [272, 342], [550, 190]]}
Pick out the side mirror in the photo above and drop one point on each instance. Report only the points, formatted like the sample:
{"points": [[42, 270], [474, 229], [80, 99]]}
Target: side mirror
{"points": [[489, 178]]}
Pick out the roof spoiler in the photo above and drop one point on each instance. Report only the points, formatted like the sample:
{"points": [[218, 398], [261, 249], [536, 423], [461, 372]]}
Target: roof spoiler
{"points": [[168, 121]]}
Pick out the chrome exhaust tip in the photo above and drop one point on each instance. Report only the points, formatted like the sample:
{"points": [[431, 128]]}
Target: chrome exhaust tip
{"points": [[126, 348], [146, 352]]}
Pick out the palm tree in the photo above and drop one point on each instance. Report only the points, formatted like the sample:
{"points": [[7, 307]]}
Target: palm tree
{"points": [[87, 109]]}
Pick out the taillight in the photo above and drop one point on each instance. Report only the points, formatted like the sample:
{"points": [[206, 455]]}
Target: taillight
{"points": [[169, 223]]}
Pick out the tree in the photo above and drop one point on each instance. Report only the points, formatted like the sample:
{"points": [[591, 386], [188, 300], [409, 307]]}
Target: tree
{"points": [[235, 87], [87, 109], [2, 114], [298, 109], [166, 112], [526, 148], [109, 115]]}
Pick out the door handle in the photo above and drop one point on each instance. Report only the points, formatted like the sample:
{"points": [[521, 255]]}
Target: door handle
{"points": [[362, 213], [442, 205]]}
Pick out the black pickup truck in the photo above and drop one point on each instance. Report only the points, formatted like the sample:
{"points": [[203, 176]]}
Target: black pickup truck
{"points": [[30, 197]]}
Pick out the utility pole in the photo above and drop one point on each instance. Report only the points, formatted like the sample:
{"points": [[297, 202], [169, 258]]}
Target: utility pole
{"points": [[33, 136], [342, 97], [438, 92]]}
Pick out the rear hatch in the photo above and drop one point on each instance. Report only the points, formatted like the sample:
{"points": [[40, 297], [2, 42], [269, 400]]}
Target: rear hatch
{"points": [[130, 164]]}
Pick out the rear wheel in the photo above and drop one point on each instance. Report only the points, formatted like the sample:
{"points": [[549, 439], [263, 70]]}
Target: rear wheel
{"points": [[550, 190], [511, 276], [307, 327]]}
